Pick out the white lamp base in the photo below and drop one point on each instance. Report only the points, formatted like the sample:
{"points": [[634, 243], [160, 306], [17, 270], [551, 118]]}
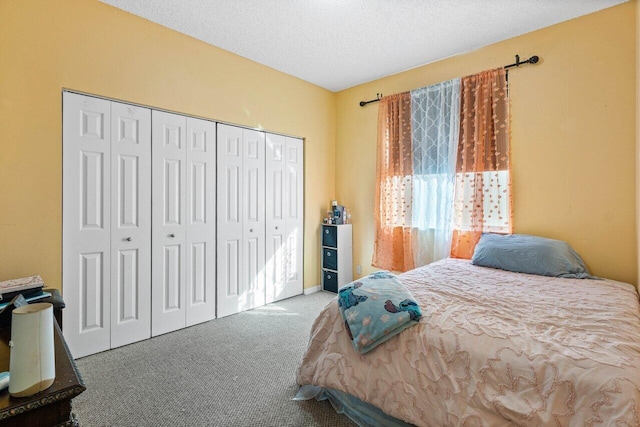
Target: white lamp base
{"points": [[32, 361]]}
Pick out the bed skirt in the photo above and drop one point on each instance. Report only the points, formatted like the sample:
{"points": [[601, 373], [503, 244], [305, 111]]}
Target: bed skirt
{"points": [[361, 413]]}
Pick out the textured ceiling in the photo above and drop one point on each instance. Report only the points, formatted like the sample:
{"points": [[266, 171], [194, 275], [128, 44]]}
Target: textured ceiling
{"points": [[337, 44]]}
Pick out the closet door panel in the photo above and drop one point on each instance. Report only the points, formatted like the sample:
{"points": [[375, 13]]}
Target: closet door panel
{"points": [[86, 178], [294, 216], [130, 228], [201, 218], [168, 222], [253, 220], [229, 219], [275, 218]]}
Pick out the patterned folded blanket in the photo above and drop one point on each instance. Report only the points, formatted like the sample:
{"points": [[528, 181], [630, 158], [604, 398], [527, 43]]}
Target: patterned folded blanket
{"points": [[376, 308]]}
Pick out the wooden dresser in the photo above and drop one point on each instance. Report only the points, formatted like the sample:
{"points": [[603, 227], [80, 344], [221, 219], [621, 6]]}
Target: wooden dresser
{"points": [[51, 407]]}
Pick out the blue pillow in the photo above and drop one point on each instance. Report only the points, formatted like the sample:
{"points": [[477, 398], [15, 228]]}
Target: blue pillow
{"points": [[530, 254]]}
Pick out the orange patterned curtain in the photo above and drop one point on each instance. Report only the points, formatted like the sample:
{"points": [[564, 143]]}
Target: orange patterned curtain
{"points": [[392, 246], [482, 201]]}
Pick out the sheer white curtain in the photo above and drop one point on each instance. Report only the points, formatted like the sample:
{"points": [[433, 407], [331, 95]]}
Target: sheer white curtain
{"points": [[435, 123]]}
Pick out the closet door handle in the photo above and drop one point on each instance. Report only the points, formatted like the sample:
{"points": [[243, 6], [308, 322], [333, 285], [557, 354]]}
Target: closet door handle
{"points": [[128, 239], [251, 230], [172, 235], [276, 227]]}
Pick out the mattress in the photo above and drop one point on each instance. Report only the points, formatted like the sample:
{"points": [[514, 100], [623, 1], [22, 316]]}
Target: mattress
{"points": [[493, 348]]}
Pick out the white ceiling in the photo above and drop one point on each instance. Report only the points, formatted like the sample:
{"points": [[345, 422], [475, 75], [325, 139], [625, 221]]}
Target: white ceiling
{"points": [[337, 44]]}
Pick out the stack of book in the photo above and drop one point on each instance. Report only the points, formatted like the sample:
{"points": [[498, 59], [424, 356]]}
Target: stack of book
{"points": [[31, 289]]}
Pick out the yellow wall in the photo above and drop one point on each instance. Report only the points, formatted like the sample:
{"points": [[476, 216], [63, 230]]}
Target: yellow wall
{"points": [[638, 133], [88, 46], [573, 137], [573, 125]]}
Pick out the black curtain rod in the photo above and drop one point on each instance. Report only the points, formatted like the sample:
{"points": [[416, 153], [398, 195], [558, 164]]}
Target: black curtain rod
{"points": [[533, 60], [378, 98]]}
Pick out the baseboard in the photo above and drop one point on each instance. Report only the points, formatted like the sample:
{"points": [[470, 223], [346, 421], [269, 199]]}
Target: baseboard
{"points": [[312, 290]]}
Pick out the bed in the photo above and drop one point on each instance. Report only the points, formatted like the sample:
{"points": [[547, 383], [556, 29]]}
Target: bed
{"points": [[492, 347]]}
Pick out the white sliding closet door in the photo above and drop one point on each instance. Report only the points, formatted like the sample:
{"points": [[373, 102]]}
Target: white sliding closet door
{"points": [[130, 225], [168, 221], [106, 231], [241, 219], [294, 216], [201, 221], [86, 225], [183, 218], [253, 233], [229, 185], [284, 195], [275, 230]]}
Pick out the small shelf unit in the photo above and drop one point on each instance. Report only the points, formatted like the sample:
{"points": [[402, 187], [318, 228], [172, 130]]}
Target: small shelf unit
{"points": [[337, 268]]}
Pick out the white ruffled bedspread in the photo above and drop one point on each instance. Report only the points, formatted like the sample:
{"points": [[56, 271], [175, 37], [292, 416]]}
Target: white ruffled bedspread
{"points": [[494, 348]]}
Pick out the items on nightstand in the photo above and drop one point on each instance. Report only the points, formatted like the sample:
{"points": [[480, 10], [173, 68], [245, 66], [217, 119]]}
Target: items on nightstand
{"points": [[27, 286], [337, 215], [338, 212], [50, 407], [6, 309], [32, 359], [4, 380], [29, 290]]}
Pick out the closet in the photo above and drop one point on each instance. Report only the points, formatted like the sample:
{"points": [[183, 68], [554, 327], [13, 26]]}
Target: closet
{"points": [[170, 220], [106, 229], [241, 219], [284, 217], [260, 218], [183, 221]]}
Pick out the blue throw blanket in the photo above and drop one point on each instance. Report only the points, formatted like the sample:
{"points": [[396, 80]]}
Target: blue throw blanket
{"points": [[376, 308]]}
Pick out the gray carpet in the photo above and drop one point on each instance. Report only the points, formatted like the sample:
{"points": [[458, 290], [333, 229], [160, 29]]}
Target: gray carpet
{"points": [[234, 371]]}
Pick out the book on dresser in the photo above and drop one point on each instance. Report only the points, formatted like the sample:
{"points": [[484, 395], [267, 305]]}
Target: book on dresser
{"points": [[29, 287], [34, 298]]}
